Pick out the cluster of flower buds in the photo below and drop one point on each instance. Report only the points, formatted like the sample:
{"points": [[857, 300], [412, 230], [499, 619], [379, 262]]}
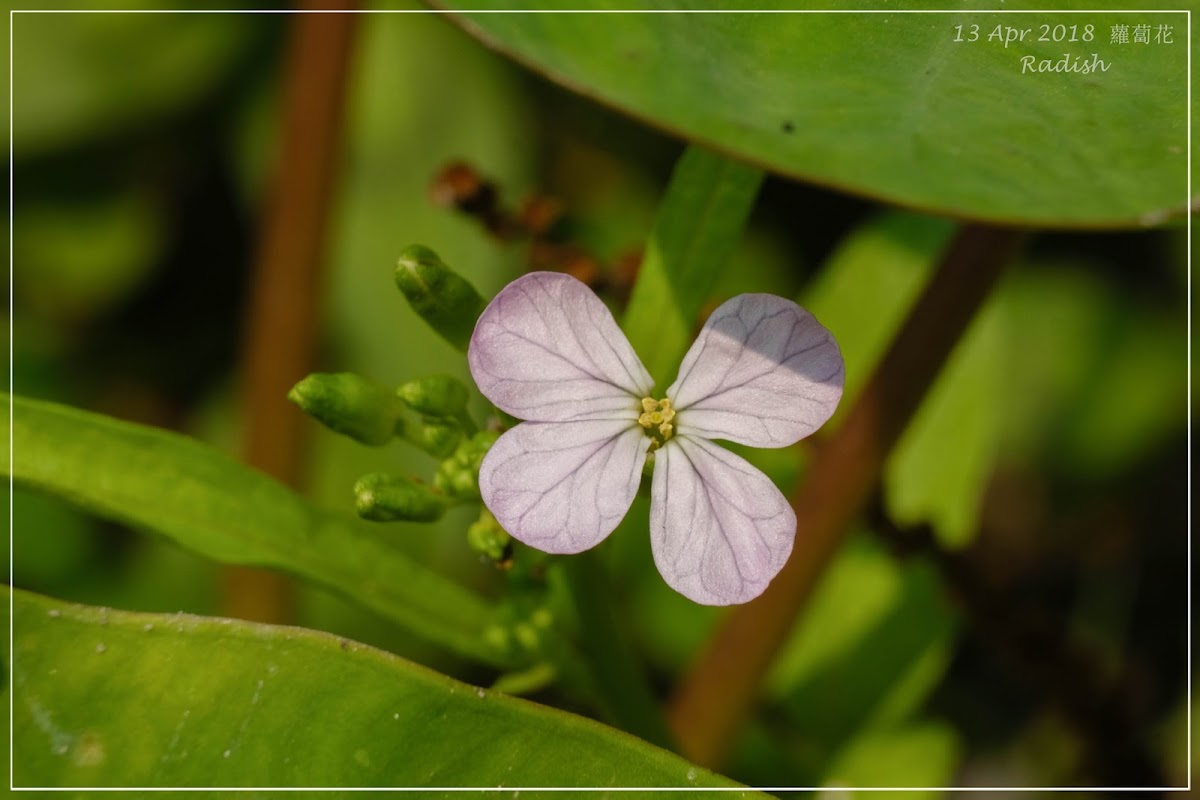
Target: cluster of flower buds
{"points": [[429, 413], [458, 475]]}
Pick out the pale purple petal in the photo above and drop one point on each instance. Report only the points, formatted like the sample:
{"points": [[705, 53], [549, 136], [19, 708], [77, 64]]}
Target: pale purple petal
{"points": [[563, 486], [763, 372], [720, 530], [547, 349]]}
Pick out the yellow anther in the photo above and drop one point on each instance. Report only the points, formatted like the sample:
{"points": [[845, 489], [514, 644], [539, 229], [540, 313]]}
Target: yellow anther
{"points": [[656, 418]]}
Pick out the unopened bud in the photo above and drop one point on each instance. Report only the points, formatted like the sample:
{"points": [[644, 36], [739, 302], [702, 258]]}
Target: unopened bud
{"points": [[389, 498], [487, 538], [351, 405], [435, 395], [437, 436], [442, 297], [458, 475]]}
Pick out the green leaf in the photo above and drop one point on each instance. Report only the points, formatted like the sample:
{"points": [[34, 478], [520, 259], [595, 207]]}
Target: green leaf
{"points": [[921, 754], [178, 488], [113, 698], [889, 105], [875, 641], [939, 469], [942, 463], [699, 223]]}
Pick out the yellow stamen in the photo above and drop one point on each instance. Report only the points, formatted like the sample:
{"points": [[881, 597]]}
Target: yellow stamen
{"points": [[656, 418]]}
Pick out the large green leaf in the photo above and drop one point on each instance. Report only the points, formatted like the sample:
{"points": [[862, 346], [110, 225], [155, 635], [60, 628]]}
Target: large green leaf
{"points": [[178, 488], [889, 104], [112, 698]]}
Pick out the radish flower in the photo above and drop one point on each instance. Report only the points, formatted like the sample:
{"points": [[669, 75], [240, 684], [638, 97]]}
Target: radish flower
{"points": [[763, 372]]}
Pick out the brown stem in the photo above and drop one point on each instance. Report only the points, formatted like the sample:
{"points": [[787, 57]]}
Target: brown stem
{"points": [[716, 696], [282, 312]]}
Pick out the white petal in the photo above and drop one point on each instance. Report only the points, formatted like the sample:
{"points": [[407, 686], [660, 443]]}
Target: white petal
{"points": [[720, 529], [547, 349], [563, 486], [763, 372]]}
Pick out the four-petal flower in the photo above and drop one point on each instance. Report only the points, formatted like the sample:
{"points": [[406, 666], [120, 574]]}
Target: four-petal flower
{"points": [[763, 372]]}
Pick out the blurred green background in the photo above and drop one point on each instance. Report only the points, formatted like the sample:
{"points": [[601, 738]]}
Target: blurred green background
{"points": [[1030, 535]]}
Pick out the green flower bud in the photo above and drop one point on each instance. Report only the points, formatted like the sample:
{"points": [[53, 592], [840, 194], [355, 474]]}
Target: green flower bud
{"points": [[442, 297], [458, 475], [435, 395], [350, 405], [389, 498], [487, 538], [436, 436]]}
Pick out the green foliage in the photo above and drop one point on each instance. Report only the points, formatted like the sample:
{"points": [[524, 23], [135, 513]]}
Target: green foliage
{"points": [[940, 467], [919, 755], [1096, 375], [76, 90], [699, 224], [1071, 374], [169, 485], [115, 238], [889, 105], [111, 698], [874, 642]]}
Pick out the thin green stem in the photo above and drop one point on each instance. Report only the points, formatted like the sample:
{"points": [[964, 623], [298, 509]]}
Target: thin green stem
{"points": [[617, 677]]}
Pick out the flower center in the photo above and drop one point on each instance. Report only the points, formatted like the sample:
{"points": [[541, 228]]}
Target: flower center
{"points": [[656, 419]]}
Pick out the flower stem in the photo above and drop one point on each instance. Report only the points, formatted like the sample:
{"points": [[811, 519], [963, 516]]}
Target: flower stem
{"points": [[616, 677], [716, 696]]}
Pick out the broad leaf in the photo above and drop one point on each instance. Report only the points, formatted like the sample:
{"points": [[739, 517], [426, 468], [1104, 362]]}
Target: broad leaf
{"points": [[112, 698], [890, 105], [178, 488]]}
